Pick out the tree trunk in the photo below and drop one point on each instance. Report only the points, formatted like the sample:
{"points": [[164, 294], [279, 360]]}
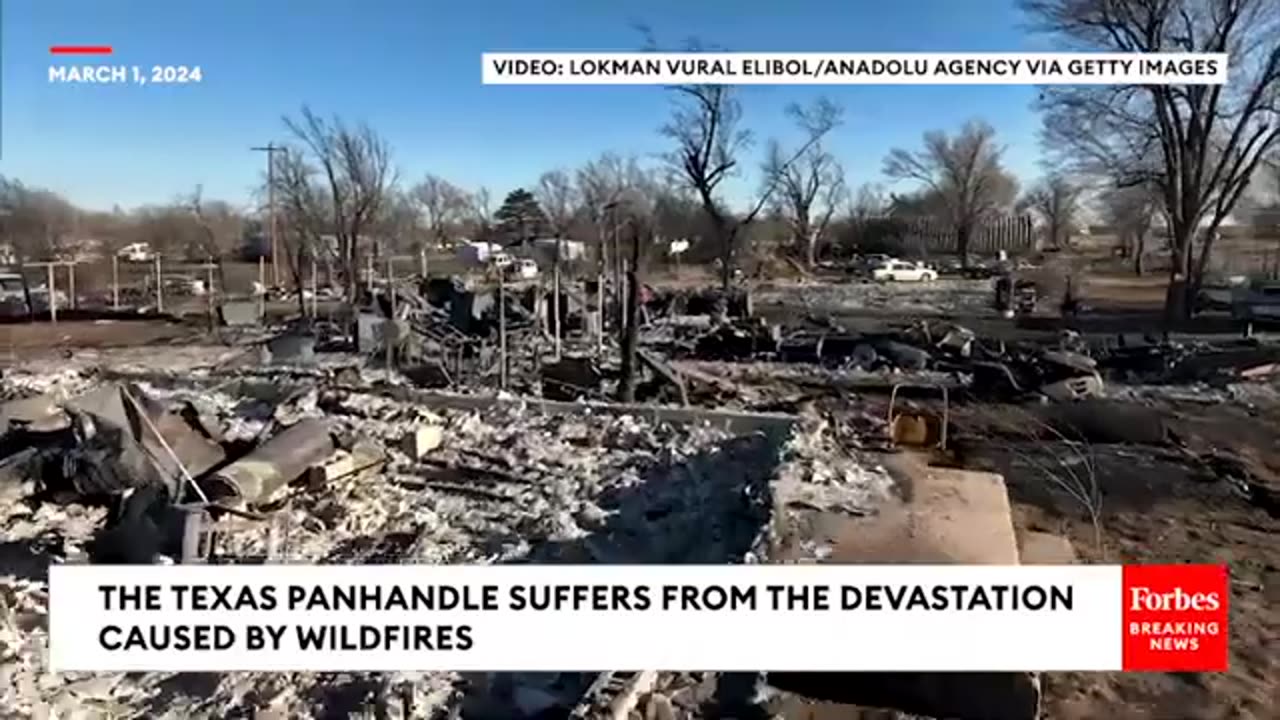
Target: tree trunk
{"points": [[631, 327], [962, 244], [1139, 251], [727, 238], [1202, 263], [555, 297], [297, 279], [811, 249], [1176, 307], [352, 272]]}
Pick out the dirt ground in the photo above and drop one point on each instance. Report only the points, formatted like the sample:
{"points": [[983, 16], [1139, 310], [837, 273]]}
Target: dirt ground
{"points": [[72, 335], [1154, 510]]}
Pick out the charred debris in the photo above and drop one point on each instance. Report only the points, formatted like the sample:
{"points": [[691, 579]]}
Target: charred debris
{"points": [[170, 467], [447, 423]]}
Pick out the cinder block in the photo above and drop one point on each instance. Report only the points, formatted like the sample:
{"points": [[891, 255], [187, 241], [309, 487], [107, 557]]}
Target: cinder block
{"points": [[422, 440]]}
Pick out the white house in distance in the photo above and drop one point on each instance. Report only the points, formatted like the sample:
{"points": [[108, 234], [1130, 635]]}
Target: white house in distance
{"points": [[476, 254], [570, 250]]}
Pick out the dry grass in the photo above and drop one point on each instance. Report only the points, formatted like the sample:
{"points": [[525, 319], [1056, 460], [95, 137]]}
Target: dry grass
{"points": [[1067, 464]]}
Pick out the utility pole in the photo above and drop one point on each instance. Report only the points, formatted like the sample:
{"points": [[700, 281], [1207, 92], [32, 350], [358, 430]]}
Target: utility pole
{"points": [[271, 149]]}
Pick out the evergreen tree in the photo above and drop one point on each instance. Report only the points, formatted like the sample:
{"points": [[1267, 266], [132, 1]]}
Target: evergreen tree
{"points": [[520, 219]]}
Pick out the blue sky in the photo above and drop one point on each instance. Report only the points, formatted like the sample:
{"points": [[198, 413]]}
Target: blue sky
{"points": [[411, 69]]}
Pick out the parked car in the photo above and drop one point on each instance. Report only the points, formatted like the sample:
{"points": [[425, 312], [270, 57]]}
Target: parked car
{"points": [[178, 285], [523, 269], [904, 271], [1258, 301], [136, 252], [13, 296]]}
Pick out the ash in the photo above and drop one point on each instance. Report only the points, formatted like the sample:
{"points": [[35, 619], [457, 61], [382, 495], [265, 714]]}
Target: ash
{"points": [[509, 484]]}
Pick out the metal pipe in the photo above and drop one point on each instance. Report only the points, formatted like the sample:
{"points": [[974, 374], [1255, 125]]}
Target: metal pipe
{"points": [[502, 329], [53, 296], [315, 289], [115, 283], [279, 461], [159, 287], [390, 324]]}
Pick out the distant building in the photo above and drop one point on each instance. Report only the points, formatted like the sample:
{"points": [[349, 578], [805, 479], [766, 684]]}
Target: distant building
{"points": [[570, 250]]}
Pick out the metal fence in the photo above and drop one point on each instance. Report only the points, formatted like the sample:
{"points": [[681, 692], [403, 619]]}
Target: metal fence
{"points": [[177, 286], [932, 236]]}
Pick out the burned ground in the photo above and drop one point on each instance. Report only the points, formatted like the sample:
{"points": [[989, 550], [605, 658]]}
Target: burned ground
{"points": [[1150, 450]]}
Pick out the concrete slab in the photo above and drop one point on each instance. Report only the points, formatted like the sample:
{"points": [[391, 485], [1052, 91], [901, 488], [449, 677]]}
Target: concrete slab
{"points": [[942, 516], [1042, 548], [946, 515]]}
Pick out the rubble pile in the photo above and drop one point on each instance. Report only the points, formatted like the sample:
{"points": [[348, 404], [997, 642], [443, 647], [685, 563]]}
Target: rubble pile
{"points": [[383, 480], [822, 472], [1064, 368], [944, 297]]}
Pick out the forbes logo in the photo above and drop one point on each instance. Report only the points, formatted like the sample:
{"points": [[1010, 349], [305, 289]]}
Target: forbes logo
{"points": [[1175, 618], [1144, 599]]}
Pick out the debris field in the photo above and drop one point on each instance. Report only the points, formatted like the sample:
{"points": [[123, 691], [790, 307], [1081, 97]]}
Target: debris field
{"points": [[443, 428]]}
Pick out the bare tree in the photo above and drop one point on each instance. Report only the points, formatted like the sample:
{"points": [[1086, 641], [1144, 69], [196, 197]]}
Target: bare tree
{"points": [[171, 230], [480, 213], [601, 185], [38, 223], [705, 126], [558, 196], [1057, 201], [1131, 211], [964, 173], [442, 204], [355, 164], [221, 229], [399, 223], [1206, 140], [868, 202], [306, 216], [220, 225], [809, 191]]}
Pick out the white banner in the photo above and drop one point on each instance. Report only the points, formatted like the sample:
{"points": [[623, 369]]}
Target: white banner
{"points": [[551, 618], [818, 68]]}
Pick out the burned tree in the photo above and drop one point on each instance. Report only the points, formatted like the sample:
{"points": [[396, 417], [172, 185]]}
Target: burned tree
{"points": [[963, 173], [705, 126], [1057, 201], [355, 167], [1206, 140], [809, 191], [638, 209]]}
